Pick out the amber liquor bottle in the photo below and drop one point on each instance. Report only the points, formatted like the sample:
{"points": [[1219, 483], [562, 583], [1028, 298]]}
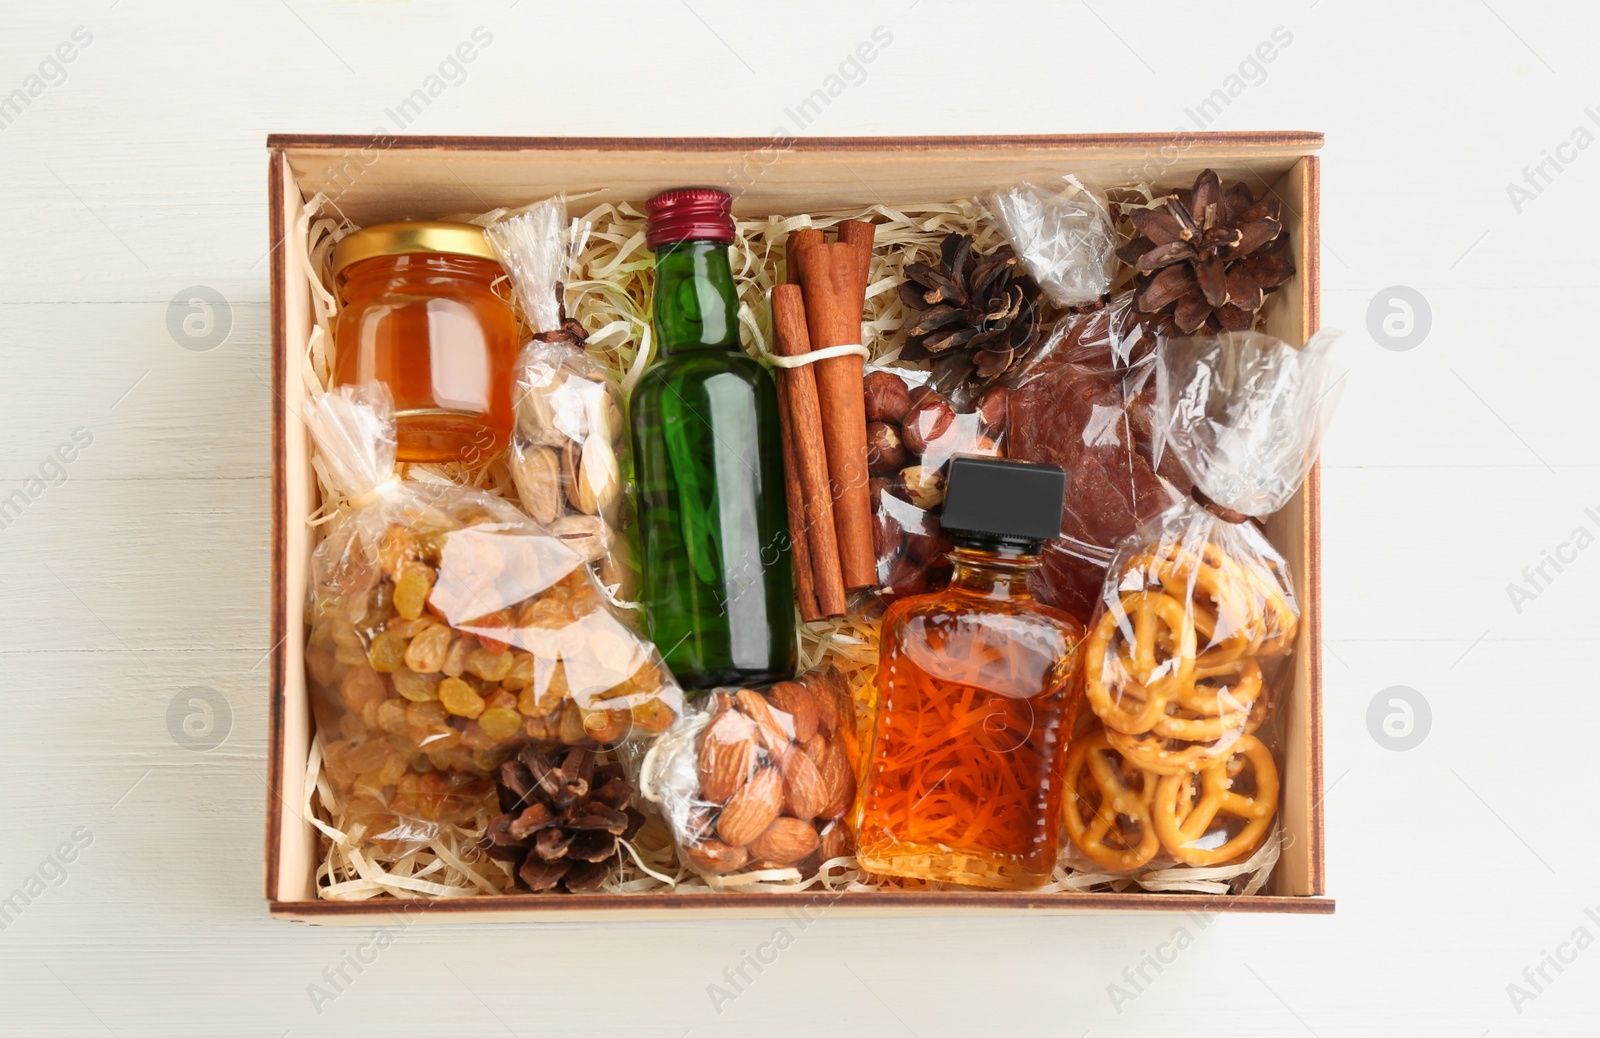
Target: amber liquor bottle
{"points": [[974, 683]]}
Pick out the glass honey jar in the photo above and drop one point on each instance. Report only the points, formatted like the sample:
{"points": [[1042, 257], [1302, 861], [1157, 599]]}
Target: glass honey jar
{"points": [[975, 684], [420, 314]]}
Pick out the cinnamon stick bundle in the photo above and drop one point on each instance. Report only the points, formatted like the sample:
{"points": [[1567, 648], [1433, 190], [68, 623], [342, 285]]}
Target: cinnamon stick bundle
{"points": [[819, 582], [833, 280]]}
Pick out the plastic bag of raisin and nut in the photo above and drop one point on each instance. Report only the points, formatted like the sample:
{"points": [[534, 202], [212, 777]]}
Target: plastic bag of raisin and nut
{"points": [[912, 433], [447, 630], [754, 785]]}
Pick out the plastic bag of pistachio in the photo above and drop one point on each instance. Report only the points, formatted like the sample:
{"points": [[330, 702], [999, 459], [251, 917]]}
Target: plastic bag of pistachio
{"points": [[568, 458]]}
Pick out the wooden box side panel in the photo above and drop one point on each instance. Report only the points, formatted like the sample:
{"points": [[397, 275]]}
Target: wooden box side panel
{"points": [[1296, 531], [291, 840], [387, 178]]}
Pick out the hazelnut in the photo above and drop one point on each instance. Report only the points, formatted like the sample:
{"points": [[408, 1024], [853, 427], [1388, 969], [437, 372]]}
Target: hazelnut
{"points": [[926, 422], [924, 486], [929, 548], [984, 447], [887, 396], [907, 578], [994, 410], [885, 452], [885, 537]]}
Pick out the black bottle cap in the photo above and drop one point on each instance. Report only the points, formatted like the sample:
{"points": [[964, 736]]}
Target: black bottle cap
{"points": [[996, 504]]}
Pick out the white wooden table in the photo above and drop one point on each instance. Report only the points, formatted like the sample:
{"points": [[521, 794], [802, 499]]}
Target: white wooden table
{"points": [[135, 574]]}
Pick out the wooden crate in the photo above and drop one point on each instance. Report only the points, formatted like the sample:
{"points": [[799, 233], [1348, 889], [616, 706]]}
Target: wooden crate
{"points": [[389, 178]]}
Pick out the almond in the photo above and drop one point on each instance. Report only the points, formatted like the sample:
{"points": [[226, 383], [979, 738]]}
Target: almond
{"points": [[699, 823], [797, 701], [772, 735], [835, 841], [785, 842], [839, 779], [816, 748], [727, 756], [804, 793], [832, 696], [716, 857], [752, 808]]}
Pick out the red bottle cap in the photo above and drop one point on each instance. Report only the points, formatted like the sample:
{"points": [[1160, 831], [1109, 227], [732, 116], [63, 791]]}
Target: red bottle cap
{"points": [[690, 214]]}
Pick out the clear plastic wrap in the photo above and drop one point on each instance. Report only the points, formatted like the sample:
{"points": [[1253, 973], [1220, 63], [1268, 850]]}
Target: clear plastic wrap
{"points": [[1064, 236], [1087, 403], [1198, 614], [756, 786], [912, 433], [446, 630], [535, 248]]}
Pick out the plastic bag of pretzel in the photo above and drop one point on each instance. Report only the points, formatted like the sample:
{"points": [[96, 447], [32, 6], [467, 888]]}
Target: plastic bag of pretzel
{"points": [[1169, 764]]}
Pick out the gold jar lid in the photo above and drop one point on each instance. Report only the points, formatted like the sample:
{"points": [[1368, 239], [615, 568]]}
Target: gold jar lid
{"points": [[410, 237]]}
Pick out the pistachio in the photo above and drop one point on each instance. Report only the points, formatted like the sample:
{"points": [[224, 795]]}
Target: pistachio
{"points": [[587, 535], [536, 416], [537, 473], [593, 478]]}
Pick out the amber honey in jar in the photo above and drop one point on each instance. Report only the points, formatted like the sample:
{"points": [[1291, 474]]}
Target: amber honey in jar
{"points": [[420, 314]]}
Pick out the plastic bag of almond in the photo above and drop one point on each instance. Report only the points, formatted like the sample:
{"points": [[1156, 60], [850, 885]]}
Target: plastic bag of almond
{"points": [[756, 785]]}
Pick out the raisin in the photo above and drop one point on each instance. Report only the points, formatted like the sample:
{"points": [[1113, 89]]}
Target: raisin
{"points": [[490, 666], [426, 715], [455, 661], [500, 723], [399, 547], [419, 688], [459, 698], [362, 687], [321, 664], [520, 676], [411, 591], [392, 716], [532, 704], [387, 652], [428, 650], [488, 760]]}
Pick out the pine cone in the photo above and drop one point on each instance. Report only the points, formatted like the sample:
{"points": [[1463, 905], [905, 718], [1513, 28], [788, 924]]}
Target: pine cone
{"points": [[1207, 257], [979, 313], [563, 822]]}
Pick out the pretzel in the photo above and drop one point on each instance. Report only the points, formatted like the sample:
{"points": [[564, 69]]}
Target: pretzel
{"points": [[1181, 820], [1096, 783], [1167, 756], [1229, 688], [1217, 588], [1183, 742], [1139, 674], [1279, 620]]}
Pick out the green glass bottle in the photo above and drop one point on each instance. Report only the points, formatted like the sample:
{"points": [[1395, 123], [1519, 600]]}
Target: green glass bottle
{"points": [[718, 591]]}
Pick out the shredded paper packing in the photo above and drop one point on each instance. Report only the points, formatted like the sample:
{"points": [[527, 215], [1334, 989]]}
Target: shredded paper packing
{"points": [[608, 291]]}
